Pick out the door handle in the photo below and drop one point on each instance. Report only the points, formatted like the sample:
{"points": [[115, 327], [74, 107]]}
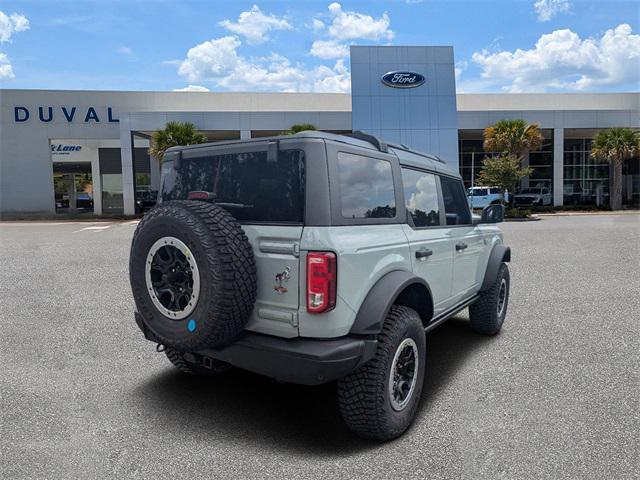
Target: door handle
{"points": [[461, 246], [423, 253]]}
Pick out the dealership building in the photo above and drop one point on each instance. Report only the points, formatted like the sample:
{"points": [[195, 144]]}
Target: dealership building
{"points": [[86, 151]]}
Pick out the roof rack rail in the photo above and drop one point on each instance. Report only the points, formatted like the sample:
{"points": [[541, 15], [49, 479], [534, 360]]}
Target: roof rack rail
{"points": [[404, 148], [372, 139]]}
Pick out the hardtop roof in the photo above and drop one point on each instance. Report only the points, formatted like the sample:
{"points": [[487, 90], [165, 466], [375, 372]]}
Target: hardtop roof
{"points": [[405, 155]]}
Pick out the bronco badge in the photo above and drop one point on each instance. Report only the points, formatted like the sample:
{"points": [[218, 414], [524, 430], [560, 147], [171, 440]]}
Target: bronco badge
{"points": [[281, 278]]}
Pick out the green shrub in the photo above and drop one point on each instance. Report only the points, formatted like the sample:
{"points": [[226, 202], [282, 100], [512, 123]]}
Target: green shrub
{"points": [[517, 212]]}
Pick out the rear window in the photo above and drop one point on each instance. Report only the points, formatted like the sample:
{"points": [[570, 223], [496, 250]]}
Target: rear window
{"points": [[249, 186], [366, 187]]}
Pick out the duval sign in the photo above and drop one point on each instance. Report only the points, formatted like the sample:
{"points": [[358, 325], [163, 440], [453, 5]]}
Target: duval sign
{"points": [[69, 114], [401, 79]]}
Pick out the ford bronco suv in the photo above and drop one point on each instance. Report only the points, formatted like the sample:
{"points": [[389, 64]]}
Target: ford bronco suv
{"points": [[314, 258]]}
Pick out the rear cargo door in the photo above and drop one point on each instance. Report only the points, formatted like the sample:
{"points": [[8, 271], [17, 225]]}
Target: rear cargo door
{"points": [[276, 249], [262, 186]]}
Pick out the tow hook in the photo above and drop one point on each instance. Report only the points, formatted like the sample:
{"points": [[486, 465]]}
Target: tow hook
{"points": [[160, 348]]}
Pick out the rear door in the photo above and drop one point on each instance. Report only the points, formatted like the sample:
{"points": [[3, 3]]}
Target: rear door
{"points": [[466, 240], [429, 243], [264, 191]]}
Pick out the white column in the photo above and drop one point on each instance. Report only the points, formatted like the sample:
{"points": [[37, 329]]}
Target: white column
{"points": [[558, 166], [245, 134], [97, 184], [126, 157]]}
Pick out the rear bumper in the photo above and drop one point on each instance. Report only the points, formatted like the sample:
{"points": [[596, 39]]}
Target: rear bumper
{"points": [[305, 361]]}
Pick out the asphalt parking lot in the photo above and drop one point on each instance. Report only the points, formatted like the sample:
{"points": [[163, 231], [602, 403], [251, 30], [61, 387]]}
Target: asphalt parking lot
{"points": [[555, 395]]}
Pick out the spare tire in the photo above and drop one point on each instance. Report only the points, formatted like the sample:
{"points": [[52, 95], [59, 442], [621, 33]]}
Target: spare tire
{"points": [[193, 274]]}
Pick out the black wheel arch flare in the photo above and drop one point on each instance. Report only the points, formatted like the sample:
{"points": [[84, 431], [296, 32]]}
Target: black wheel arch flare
{"points": [[499, 253], [396, 287]]}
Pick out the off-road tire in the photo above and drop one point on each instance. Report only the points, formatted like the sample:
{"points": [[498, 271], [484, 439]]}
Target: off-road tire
{"points": [[177, 359], [227, 273], [484, 313], [364, 396]]}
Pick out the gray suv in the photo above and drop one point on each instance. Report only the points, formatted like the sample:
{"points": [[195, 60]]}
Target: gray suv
{"points": [[314, 258]]}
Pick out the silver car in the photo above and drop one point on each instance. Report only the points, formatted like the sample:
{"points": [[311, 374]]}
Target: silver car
{"points": [[314, 258]]}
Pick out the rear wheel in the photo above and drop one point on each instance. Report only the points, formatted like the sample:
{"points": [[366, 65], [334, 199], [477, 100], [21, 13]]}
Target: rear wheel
{"points": [[380, 399], [487, 314]]}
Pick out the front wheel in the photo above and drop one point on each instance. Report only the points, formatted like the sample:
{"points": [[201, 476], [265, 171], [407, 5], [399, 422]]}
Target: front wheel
{"points": [[380, 399], [487, 314]]}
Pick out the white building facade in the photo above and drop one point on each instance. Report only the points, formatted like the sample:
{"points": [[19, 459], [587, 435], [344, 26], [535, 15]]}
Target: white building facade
{"points": [[86, 151]]}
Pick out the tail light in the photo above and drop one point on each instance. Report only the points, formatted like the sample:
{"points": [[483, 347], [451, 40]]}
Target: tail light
{"points": [[321, 281]]}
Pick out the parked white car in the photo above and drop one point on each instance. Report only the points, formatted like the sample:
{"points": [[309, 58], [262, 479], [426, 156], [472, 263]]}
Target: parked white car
{"points": [[480, 197], [533, 196]]}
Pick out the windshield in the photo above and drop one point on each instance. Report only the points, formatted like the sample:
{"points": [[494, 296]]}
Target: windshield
{"points": [[250, 187], [534, 191]]}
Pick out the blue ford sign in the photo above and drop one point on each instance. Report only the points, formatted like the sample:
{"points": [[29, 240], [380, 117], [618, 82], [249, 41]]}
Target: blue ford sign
{"points": [[403, 79]]}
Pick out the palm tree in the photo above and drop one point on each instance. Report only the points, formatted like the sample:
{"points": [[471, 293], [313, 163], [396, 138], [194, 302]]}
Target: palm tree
{"points": [[615, 146], [515, 138], [299, 127], [174, 133], [511, 140]]}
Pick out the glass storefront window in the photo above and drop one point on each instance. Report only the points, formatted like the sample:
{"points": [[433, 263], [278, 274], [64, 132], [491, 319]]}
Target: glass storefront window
{"points": [[112, 199], [586, 181]]}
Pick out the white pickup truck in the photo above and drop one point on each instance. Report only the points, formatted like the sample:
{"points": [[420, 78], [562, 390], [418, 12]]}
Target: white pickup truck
{"points": [[480, 197]]}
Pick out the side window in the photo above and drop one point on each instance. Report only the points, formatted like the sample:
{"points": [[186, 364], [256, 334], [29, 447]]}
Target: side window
{"points": [[366, 187], [456, 207], [495, 191], [421, 197]]}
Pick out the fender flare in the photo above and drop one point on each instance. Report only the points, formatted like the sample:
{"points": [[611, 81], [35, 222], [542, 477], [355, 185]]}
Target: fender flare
{"points": [[499, 253], [376, 305]]}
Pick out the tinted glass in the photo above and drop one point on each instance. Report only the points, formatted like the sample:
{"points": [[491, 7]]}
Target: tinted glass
{"points": [[366, 187], [251, 188], [421, 197], [456, 207], [494, 191]]}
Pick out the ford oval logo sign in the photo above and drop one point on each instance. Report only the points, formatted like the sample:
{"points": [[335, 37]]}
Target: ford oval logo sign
{"points": [[402, 79]]}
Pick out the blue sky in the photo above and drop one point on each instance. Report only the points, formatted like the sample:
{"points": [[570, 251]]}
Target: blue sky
{"points": [[518, 46]]}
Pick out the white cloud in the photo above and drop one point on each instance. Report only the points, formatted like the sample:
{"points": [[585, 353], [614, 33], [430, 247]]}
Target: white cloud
{"points": [[254, 25], [562, 60], [317, 25], [219, 62], [6, 70], [347, 25], [460, 67], [192, 88], [547, 9], [329, 49], [10, 24], [211, 59], [128, 51]]}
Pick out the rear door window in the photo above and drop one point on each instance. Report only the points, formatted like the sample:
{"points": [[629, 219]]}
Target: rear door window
{"points": [[456, 207], [366, 187], [421, 197], [250, 187]]}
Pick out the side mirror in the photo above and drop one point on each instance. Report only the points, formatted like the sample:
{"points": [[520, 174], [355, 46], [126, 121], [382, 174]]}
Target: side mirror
{"points": [[492, 214]]}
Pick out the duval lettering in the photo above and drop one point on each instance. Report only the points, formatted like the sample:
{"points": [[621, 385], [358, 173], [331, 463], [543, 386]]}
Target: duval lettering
{"points": [[48, 114]]}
